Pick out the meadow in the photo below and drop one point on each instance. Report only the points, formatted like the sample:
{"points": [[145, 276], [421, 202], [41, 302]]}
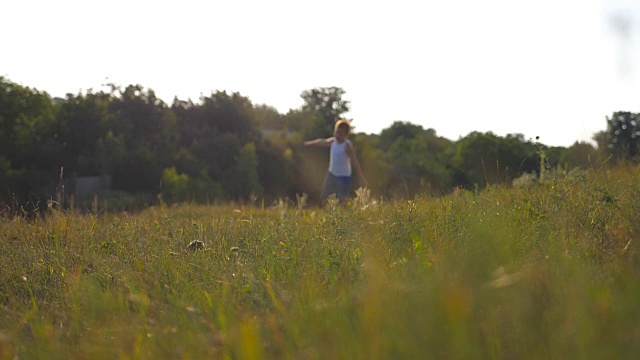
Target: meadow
{"points": [[547, 270]]}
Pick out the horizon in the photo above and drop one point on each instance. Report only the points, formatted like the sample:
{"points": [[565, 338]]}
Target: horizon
{"points": [[547, 69], [536, 139]]}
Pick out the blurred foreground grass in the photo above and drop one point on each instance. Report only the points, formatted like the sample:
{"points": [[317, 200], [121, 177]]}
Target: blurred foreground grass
{"points": [[545, 271]]}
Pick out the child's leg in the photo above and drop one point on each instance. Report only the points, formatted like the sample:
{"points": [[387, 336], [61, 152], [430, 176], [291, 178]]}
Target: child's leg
{"points": [[342, 187], [328, 186]]}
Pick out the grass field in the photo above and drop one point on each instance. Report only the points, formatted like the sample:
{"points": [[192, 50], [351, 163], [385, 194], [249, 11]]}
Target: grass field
{"points": [[546, 271]]}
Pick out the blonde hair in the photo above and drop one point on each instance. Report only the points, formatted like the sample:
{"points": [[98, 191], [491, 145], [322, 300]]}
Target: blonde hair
{"points": [[344, 125]]}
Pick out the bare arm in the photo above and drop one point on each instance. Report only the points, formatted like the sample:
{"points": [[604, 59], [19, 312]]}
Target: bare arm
{"points": [[319, 142], [356, 165]]}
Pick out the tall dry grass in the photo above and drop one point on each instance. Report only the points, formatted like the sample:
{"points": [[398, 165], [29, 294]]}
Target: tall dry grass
{"points": [[548, 270]]}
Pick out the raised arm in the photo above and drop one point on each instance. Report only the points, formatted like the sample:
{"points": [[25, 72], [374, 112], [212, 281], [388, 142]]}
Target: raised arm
{"points": [[319, 142], [356, 165]]}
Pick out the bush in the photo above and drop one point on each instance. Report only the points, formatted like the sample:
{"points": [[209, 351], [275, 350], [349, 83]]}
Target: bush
{"points": [[180, 187]]}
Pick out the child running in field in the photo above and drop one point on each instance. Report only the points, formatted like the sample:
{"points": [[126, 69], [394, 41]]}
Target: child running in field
{"points": [[342, 158]]}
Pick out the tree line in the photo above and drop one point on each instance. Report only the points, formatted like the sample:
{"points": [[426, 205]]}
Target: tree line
{"points": [[223, 147]]}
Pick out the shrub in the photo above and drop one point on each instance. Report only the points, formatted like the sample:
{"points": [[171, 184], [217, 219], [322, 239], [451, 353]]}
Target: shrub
{"points": [[180, 187]]}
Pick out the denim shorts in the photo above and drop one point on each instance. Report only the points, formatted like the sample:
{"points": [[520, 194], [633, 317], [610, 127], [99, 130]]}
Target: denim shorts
{"points": [[338, 185]]}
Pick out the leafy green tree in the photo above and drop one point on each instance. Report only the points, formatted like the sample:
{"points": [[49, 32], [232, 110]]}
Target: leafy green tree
{"points": [[300, 121], [268, 118], [276, 165], [149, 130], [84, 118], [8, 177], [218, 140], [420, 159], [623, 135], [180, 187], [485, 158], [581, 154], [138, 171], [603, 146], [244, 181], [324, 106], [375, 165], [145, 121], [214, 132], [110, 149], [225, 113], [28, 147], [399, 129]]}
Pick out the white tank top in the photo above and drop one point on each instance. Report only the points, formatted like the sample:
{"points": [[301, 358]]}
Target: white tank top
{"points": [[339, 163]]}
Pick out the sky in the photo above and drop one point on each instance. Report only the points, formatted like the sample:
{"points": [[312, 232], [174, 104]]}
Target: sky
{"points": [[548, 68]]}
